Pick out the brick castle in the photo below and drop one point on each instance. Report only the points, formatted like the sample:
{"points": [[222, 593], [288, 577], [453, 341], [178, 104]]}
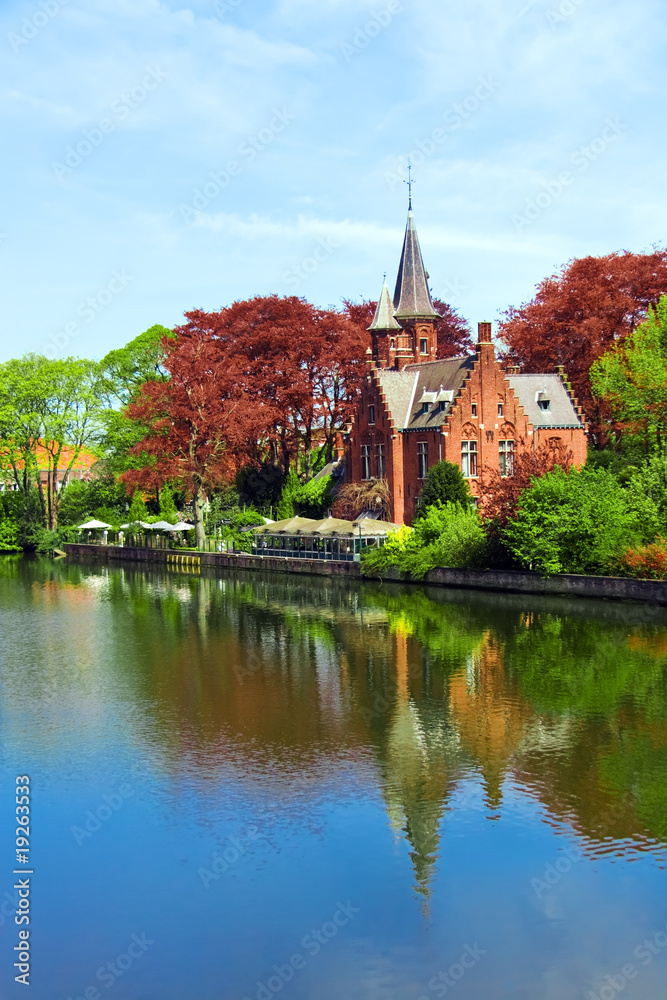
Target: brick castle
{"points": [[416, 410]]}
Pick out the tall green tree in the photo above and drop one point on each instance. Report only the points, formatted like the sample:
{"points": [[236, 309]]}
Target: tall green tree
{"points": [[49, 412], [631, 377], [444, 483]]}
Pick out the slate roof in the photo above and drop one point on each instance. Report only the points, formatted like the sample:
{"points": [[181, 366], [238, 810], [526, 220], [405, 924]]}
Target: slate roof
{"points": [[412, 297], [384, 314], [561, 412], [404, 391]]}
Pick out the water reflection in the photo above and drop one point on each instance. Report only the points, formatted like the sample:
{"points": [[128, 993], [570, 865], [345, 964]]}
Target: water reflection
{"points": [[286, 683]]}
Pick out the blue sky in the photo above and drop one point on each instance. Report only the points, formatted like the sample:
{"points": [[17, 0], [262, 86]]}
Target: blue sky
{"points": [[161, 157]]}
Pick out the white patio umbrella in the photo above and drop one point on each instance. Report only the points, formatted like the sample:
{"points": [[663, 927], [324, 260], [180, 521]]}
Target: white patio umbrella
{"points": [[94, 524], [162, 526], [136, 524], [181, 526]]}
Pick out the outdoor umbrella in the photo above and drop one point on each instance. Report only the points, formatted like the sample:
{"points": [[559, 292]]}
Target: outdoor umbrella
{"points": [[136, 524], [162, 526], [181, 526], [94, 524]]}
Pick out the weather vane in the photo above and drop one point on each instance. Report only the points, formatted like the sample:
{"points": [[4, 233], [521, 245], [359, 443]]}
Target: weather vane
{"points": [[409, 182]]}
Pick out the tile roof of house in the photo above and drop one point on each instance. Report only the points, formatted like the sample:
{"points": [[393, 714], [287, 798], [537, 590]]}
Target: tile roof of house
{"points": [[530, 388], [404, 391]]}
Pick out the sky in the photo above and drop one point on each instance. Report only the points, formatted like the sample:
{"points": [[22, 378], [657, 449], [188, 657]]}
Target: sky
{"points": [[162, 157]]}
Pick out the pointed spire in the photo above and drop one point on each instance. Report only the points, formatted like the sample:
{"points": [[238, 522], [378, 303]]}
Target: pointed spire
{"points": [[384, 314], [412, 298]]}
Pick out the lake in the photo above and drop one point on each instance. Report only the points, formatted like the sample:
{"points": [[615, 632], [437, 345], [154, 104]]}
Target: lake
{"points": [[255, 786]]}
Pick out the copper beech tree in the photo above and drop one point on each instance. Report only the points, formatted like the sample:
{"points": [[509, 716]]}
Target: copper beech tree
{"points": [[265, 378], [578, 314]]}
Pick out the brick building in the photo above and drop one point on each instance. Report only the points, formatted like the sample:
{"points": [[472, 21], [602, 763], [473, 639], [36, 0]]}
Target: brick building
{"points": [[416, 410]]}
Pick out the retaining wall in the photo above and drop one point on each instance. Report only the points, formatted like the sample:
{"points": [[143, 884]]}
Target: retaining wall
{"points": [[506, 581]]}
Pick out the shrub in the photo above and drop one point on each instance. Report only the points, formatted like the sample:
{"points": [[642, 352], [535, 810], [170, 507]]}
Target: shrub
{"points": [[447, 535], [579, 521], [647, 562], [444, 484], [314, 499], [9, 535]]}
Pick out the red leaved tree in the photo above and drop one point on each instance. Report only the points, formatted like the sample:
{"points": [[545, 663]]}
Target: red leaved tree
{"points": [[306, 365], [202, 421], [501, 493], [577, 314]]}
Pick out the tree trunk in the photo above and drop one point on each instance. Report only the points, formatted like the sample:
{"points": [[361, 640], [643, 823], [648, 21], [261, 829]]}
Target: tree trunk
{"points": [[198, 508]]}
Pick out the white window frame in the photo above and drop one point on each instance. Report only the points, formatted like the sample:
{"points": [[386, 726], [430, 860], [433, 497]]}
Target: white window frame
{"points": [[469, 459], [366, 471], [422, 459], [506, 457]]}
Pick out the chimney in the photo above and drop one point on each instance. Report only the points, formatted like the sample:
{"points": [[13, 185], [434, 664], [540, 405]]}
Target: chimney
{"points": [[486, 352]]}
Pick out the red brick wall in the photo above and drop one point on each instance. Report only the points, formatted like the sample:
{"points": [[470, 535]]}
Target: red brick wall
{"points": [[485, 387]]}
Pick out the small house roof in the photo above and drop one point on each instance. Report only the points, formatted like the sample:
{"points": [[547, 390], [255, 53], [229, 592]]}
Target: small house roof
{"points": [[530, 389]]}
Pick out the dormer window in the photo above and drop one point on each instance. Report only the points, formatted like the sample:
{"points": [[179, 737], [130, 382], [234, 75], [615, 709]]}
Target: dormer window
{"points": [[544, 404], [426, 407], [371, 414], [423, 346]]}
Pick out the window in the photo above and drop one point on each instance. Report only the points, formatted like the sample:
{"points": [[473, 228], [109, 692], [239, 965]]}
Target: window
{"points": [[371, 414], [500, 409], [392, 344], [425, 407], [474, 409], [365, 461], [422, 459], [469, 458], [544, 404], [506, 458], [380, 456], [423, 346]]}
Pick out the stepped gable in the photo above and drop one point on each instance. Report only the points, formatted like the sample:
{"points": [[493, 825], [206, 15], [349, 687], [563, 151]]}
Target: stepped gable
{"points": [[434, 382]]}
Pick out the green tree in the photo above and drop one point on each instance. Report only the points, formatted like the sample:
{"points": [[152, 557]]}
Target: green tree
{"points": [[49, 412], [632, 378], [444, 483], [126, 369], [580, 521], [103, 498], [138, 510], [168, 510]]}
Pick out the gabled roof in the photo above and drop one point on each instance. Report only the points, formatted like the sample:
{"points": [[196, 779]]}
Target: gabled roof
{"points": [[529, 389], [412, 298], [384, 314], [405, 391]]}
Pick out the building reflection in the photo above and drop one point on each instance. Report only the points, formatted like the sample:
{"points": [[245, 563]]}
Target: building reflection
{"points": [[283, 682]]}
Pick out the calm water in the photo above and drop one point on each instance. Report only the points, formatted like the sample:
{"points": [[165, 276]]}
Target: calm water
{"points": [[318, 791]]}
